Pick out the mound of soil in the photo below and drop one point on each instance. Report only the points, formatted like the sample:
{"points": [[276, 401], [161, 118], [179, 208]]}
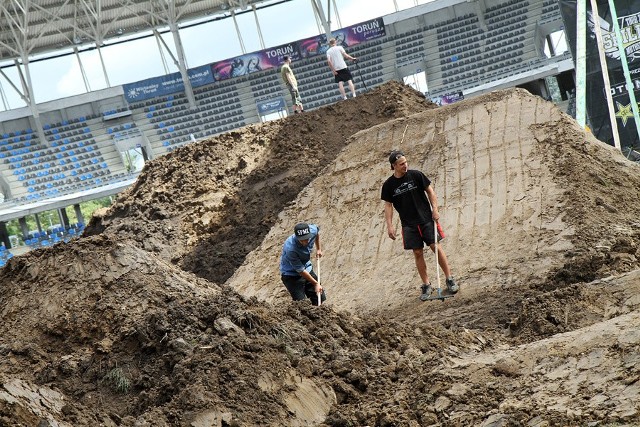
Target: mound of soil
{"points": [[168, 311]]}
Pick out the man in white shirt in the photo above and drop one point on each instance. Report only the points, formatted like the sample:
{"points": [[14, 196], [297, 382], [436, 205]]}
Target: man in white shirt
{"points": [[335, 57]]}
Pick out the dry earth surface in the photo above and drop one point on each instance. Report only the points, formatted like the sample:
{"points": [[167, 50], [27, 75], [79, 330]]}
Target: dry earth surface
{"points": [[169, 311]]}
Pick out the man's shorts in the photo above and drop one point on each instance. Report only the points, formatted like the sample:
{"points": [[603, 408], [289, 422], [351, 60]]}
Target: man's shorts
{"points": [[415, 236], [295, 95], [343, 75], [300, 289]]}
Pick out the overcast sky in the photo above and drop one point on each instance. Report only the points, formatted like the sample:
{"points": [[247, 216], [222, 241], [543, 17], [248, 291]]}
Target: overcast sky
{"points": [[203, 44]]}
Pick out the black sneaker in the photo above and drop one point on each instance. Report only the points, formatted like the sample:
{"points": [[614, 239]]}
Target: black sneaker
{"points": [[452, 286], [426, 291]]}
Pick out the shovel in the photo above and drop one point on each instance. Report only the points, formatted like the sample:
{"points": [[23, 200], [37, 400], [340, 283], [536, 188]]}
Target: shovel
{"points": [[319, 293]]}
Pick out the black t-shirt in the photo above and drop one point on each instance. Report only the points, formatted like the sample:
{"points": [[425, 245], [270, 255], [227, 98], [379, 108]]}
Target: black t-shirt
{"points": [[408, 197]]}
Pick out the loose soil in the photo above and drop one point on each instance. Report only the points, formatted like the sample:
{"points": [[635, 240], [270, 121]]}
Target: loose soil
{"points": [[169, 310]]}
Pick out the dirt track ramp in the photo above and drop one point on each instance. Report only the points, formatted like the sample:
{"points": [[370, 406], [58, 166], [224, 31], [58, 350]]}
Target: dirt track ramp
{"points": [[502, 204]]}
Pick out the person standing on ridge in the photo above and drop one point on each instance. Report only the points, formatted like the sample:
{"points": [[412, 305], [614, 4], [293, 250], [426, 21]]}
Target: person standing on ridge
{"points": [[335, 57], [295, 263], [292, 84], [411, 194]]}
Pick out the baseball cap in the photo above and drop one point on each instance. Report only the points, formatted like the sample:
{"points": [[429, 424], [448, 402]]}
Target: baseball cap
{"points": [[302, 231], [394, 156]]}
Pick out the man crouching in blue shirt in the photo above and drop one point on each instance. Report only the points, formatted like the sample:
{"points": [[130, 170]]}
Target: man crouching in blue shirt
{"points": [[295, 263]]}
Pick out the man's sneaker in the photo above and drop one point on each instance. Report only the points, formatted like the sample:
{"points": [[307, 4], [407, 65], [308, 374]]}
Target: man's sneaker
{"points": [[452, 286], [426, 291]]}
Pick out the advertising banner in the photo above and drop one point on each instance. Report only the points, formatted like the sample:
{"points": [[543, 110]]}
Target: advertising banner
{"points": [[252, 62], [628, 12], [345, 37], [447, 99], [317, 45], [166, 85], [271, 106]]}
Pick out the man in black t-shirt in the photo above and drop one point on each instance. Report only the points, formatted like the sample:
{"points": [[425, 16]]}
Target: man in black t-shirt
{"points": [[411, 194]]}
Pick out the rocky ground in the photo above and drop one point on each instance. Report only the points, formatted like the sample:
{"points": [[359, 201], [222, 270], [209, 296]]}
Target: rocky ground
{"points": [[168, 311]]}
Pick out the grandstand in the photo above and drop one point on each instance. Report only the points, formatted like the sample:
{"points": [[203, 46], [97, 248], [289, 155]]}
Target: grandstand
{"points": [[79, 153]]}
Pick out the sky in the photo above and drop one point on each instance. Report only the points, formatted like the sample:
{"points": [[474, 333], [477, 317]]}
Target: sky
{"points": [[203, 44]]}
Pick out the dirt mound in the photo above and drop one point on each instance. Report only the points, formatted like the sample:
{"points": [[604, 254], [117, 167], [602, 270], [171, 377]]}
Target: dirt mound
{"points": [[205, 206], [529, 201], [134, 325]]}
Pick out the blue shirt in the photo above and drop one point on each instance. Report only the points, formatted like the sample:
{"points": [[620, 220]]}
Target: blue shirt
{"points": [[295, 257]]}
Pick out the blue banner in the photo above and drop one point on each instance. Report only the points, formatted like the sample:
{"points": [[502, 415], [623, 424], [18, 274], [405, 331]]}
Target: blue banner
{"points": [[166, 85], [271, 106]]}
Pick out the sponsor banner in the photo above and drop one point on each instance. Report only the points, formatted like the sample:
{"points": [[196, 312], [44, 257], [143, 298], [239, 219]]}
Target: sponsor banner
{"points": [[345, 37], [271, 106], [628, 12], [447, 99], [166, 85], [253, 62]]}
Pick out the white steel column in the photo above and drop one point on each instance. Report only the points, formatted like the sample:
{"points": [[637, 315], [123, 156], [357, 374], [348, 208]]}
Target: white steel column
{"points": [[317, 5], [255, 14], [335, 11], [5, 101], [160, 42], [581, 62], [235, 22], [104, 69], [27, 87], [182, 64], [87, 86]]}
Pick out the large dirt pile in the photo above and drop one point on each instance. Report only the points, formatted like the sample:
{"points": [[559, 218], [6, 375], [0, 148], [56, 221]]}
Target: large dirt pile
{"points": [[207, 205], [169, 311]]}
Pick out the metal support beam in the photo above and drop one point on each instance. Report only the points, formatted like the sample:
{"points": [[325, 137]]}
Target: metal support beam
{"points": [[78, 212], [255, 14], [238, 33], [605, 74], [335, 9], [581, 63], [25, 80], [317, 5], [104, 69], [552, 48], [160, 42], [87, 85], [5, 101], [182, 65], [24, 228]]}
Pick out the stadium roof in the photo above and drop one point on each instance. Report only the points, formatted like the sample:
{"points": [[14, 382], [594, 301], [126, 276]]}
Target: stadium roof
{"points": [[32, 27]]}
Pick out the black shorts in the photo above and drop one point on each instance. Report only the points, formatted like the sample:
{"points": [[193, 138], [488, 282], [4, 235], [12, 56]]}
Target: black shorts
{"points": [[343, 75], [415, 236]]}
